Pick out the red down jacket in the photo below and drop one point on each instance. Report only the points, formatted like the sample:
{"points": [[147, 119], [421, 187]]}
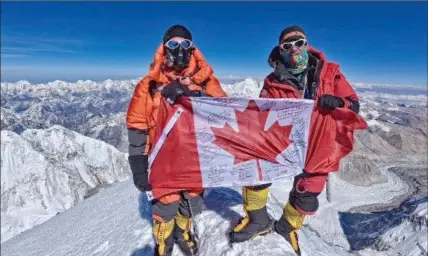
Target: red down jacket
{"points": [[331, 134]]}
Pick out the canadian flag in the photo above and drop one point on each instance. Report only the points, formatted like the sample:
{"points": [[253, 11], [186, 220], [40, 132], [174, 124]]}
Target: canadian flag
{"points": [[221, 142]]}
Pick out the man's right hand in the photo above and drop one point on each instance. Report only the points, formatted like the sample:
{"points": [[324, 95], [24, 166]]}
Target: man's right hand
{"points": [[139, 165], [172, 90], [176, 89], [330, 102]]}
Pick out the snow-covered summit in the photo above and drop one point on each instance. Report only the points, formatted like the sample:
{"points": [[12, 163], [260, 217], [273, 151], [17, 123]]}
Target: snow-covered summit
{"points": [[45, 172]]}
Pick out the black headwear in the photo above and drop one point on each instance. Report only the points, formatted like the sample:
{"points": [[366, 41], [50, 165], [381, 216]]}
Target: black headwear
{"points": [[177, 30], [290, 29]]}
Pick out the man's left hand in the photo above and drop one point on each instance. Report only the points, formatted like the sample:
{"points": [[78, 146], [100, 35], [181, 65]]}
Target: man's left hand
{"points": [[330, 102]]}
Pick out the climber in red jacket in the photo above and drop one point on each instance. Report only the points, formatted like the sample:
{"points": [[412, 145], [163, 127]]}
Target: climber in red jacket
{"points": [[300, 71]]}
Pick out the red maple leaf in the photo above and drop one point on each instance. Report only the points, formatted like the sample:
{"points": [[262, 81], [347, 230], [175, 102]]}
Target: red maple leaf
{"points": [[252, 142]]}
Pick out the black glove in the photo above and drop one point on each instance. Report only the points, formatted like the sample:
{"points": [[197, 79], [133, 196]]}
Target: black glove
{"points": [[330, 102], [139, 165], [354, 106], [172, 90], [176, 89]]}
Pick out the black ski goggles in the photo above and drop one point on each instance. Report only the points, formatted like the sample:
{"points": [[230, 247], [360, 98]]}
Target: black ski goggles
{"points": [[286, 46], [174, 43]]}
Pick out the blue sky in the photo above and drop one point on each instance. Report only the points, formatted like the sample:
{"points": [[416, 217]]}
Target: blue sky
{"points": [[378, 42]]}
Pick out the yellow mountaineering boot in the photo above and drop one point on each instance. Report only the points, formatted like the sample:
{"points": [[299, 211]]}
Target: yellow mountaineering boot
{"points": [[162, 232], [287, 226], [256, 221], [183, 236]]}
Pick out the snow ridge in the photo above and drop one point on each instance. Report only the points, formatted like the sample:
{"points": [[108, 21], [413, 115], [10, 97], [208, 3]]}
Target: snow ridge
{"points": [[45, 172]]}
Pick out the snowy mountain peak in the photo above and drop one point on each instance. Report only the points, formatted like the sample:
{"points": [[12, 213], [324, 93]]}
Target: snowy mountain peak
{"points": [[249, 87], [44, 172], [250, 81]]}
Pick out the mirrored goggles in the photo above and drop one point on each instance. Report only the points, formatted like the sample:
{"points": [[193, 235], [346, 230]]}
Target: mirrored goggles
{"points": [[173, 43]]}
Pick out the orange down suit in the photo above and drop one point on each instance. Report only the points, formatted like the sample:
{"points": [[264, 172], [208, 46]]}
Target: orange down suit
{"points": [[144, 105]]}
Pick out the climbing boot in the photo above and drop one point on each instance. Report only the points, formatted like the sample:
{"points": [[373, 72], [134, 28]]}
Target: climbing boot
{"points": [[256, 221], [183, 236], [288, 224], [162, 232]]}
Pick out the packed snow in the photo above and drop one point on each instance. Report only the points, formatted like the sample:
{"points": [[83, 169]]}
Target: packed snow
{"points": [[111, 223]]}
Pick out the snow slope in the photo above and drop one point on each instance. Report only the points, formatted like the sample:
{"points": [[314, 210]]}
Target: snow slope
{"points": [[45, 172], [110, 223]]}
